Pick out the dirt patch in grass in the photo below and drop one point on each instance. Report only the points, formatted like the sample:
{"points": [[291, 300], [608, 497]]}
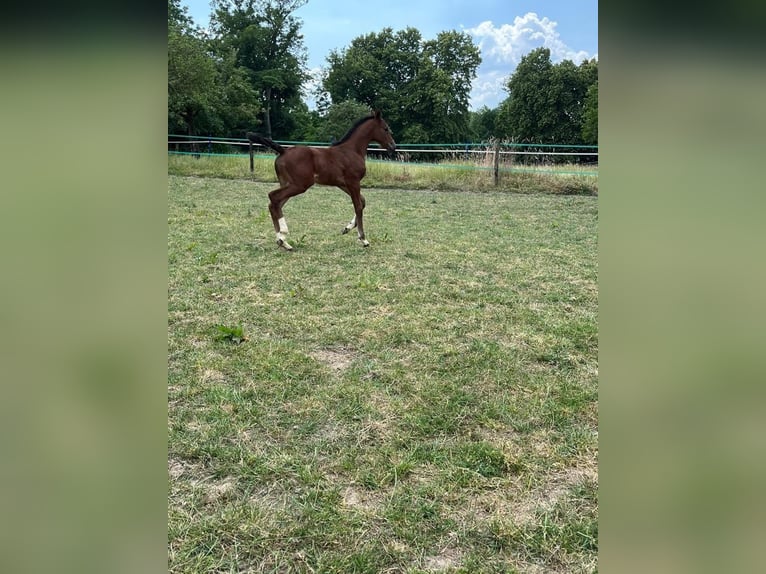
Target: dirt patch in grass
{"points": [[177, 469], [219, 490], [337, 359], [212, 376], [555, 488], [447, 559], [272, 499], [361, 500], [519, 503]]}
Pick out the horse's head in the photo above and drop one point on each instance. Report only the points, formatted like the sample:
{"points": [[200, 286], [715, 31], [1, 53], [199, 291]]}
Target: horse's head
{"points": [[382, 134]]}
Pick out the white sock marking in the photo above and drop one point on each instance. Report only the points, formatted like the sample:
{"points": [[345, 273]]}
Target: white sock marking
{"points": [[283, 225]]}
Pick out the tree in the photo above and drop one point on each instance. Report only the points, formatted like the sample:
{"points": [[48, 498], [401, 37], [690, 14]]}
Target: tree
{"points": [[454, 60], [422, 87], [192, 85], [546, 102], [265, 36], [527, 114], [372, 70], [306, 124], [482, 123], [178, 17], [238, 104], [206, 93], [590, 116], [339, 118]]}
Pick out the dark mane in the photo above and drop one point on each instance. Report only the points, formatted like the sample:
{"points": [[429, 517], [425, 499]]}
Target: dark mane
{"points": [[353, 128]]}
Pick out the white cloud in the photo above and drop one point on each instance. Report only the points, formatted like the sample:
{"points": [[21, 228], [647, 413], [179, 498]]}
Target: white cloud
{"points": [[488, 89], [508, 43], [502, 48]]}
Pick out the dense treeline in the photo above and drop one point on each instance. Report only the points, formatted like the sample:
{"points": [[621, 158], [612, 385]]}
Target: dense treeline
{"points": [[248, 72]]}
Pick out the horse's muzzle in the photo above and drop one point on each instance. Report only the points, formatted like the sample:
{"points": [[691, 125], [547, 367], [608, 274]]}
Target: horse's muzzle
{"points": [[392, 147]]}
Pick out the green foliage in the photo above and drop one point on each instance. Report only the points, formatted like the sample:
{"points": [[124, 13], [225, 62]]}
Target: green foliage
{"points": [[239, 107], [206, 94], [415, 133], [590, 116], [340, 117], [193, 95], [178, 16], [265, 38], [252, 67], [452, 60], [415, 82], [482, 124], [546, 101], [306, 124], [527, 111]]}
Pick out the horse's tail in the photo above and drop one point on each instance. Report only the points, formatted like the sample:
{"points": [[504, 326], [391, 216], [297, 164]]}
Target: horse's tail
{"points": [[259, 139]]}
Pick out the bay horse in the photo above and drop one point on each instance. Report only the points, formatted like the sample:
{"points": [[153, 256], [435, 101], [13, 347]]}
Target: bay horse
{"points": [[342, 165]]}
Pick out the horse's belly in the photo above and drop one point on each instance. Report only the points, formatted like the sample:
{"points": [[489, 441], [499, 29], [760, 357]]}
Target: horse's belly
{"points": [[328, 179]]}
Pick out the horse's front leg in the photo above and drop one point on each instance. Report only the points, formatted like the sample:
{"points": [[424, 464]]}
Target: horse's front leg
{"points": [[358, 200]]}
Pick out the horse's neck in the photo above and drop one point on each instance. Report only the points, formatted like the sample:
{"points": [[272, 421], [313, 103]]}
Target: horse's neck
{"points": [[360, 140]]}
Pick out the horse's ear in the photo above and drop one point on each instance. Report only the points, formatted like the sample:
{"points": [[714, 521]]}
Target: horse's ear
{"points": [[376, 114]]}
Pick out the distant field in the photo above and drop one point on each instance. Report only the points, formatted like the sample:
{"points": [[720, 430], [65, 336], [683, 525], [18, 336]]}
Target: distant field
{"points": [[453, 174], [427, 404]]}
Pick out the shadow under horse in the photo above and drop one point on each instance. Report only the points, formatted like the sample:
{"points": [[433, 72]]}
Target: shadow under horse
{"points": [[342, 165]]}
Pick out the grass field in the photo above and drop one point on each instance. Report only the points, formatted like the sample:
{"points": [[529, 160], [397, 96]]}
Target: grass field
{"points": [[427, 404]]}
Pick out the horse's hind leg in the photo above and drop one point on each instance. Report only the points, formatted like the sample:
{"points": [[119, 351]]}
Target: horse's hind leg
{"points": [[277, 199], [350, 226]]}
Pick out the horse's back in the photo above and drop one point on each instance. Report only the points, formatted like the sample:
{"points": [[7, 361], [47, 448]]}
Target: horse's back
{"points": [[305, 166], [296, 155]]}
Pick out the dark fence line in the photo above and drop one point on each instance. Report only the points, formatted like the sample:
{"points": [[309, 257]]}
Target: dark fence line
{"points": [[461, 145], [488, 153]]}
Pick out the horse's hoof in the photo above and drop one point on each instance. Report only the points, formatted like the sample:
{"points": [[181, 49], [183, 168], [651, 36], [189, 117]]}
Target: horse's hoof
{"points": [[344, 231], [365, 243], [284, 245]]}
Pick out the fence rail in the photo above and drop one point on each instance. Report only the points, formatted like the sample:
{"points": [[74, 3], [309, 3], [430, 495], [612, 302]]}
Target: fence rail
{"points": [[495, 148], [403, 149]]}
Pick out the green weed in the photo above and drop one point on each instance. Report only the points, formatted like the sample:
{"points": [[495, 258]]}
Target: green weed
{"points": [[232, 334]]}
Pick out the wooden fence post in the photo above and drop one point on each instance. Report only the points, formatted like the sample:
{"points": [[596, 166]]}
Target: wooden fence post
{"points": [[497, 162]]}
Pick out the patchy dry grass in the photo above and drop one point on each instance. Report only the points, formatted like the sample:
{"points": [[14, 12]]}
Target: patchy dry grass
{"points": [[449, 175], [428, 404]]}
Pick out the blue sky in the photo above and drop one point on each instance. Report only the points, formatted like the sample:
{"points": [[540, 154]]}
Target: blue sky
{"points": [[505, 30]]}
